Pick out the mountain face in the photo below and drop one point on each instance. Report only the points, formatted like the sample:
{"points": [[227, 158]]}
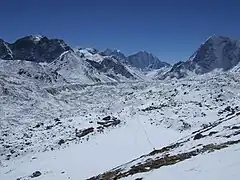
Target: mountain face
{"points": [[33, 48], [217, 52], [145, 60]]}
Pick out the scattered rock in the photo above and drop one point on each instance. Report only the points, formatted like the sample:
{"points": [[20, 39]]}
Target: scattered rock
{"points": [[150, 108], [212, 133], [198, 136], [6, 146], [228, 108], [61, 141], [100, 129], [37, 126], [106, 118], [84, 132], [36, 174], [185, 125], [57, 120], [235, 127], [108, 123], [49, 127], [200, 104]]}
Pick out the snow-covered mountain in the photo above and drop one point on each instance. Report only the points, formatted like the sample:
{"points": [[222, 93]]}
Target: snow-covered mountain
{"points": [[53, 61], [217, 52], [33, 48], [142, 60], [145, 60], [111, 66], [75, 69]]}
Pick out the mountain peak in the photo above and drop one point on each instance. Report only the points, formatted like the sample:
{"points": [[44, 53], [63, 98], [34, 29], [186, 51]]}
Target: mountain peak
{"points": [[36, 37], [145, 60], [35, 48]]}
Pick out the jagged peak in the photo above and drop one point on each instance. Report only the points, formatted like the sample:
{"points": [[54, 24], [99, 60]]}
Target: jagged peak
{"points": [[36, 37]]}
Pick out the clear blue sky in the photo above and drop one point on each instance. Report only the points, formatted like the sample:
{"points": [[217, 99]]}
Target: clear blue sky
{"points": [[170, 29]]}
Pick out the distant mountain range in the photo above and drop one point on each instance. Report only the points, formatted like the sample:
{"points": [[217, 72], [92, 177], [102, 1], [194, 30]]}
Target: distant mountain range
{"points": [[88, 65], [142, 60]]}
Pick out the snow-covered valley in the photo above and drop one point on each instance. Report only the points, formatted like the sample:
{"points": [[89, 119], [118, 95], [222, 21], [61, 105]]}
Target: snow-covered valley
{"points": [[79, 131]]}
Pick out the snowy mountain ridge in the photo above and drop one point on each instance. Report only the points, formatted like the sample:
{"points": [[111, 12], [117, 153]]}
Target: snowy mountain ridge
{"points": [[53, 61]]}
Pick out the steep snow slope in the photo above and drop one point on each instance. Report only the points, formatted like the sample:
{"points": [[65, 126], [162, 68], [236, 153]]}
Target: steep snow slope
{"points": [[65, 132]]}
